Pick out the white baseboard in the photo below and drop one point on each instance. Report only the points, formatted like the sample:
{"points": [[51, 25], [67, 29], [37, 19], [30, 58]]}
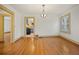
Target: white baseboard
{"points": [[70, 40], [49, 36]]}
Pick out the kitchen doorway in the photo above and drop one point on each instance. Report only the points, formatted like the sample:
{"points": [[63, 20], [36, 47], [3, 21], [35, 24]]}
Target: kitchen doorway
{"points": [[29, 26]]}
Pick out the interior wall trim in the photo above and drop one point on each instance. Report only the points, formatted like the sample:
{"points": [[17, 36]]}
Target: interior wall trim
{"points": [[47, 36], [25, 24], [6, 9], [2, 7]]}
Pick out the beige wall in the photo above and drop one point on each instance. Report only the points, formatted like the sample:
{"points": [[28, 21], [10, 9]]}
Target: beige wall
{"points": [[45, 27], [74, 35], [17, 23]]}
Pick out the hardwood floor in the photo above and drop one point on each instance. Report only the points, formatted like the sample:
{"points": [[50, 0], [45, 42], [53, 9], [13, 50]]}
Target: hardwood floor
{"points": [[7, 38], [41, 46]]}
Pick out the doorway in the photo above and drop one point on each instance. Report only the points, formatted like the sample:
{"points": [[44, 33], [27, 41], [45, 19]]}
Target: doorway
{"points": [[29, 26], [7, 29], [6, 25]]}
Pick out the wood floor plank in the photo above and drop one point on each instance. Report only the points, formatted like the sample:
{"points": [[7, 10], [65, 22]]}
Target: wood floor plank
{"points": [[41, 46]]}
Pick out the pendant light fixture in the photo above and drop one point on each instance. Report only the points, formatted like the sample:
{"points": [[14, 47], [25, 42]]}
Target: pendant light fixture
{"points": [[43, 11]]}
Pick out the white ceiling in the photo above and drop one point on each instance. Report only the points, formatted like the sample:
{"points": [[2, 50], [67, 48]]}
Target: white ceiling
{"points": [[37, 8]]}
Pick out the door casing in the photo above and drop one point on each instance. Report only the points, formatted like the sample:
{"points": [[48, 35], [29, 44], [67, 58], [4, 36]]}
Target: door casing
{"points": [[25, 24], [12, 21]]}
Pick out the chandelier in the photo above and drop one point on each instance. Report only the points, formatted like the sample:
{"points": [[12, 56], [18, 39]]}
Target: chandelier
{"points": [[43, 11]]}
